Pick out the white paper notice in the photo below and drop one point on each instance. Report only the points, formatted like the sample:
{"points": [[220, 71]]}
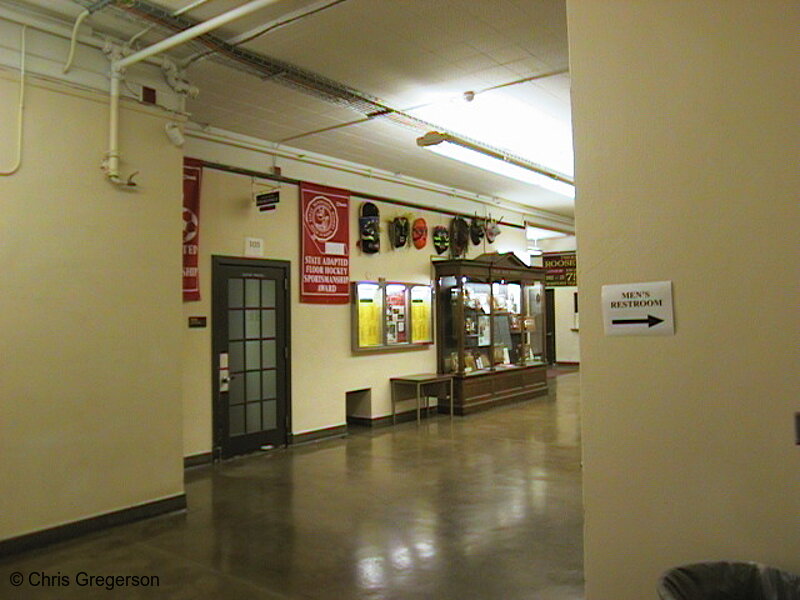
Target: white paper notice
{"points": [[335, 248], [638, 308], [253, 247]]}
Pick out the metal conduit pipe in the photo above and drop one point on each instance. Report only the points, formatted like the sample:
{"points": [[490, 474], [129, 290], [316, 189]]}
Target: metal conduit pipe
{"points": [[193, 32], [118, 66], [73, 41], [21, 109]]}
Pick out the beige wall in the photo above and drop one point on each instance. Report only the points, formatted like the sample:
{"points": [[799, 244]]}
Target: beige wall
{"points": [[567, 340], [323, 366], [89, 314], [686, 138]]}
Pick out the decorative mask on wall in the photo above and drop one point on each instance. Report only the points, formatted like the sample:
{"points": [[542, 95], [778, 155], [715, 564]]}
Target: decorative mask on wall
{"points": [[477, 228], [441, 239], [369, 228], [419, 233], [399, 232], [492, 230], [459, 237]]}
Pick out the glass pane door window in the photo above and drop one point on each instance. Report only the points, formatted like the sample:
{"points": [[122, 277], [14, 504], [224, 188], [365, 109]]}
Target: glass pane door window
{"points": [[449, 298], [477, 298], [369, 307], [252, 352], [391, 316], [507, 315], [421, 310], [533, 324], [396, 314]]}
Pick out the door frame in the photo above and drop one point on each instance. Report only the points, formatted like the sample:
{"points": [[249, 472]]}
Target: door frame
{"points": [[550, 325], [217, 293]]}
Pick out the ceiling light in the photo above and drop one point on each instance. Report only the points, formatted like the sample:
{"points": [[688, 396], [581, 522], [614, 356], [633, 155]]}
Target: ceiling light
{"points": [[496, 161], [542, 233]]}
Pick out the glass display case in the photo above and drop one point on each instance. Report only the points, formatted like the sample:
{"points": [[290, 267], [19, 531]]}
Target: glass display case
{"points": [[491, 315], [391, 316]]}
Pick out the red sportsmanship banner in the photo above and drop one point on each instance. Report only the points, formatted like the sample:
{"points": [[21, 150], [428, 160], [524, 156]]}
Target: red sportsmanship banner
{"points": [[324, 245], [192, 173]]}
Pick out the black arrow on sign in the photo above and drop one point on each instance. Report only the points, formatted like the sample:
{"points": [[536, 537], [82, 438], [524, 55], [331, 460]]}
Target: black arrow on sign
{"points": [[650, 321]]}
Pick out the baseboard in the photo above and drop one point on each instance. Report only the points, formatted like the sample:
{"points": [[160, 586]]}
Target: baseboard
{"points": [[567, 363], [307, 437], [197, 460], [62, 533], [386, 421]]}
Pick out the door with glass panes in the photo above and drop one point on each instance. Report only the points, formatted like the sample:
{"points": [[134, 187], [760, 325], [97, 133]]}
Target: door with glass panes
{"points": [[250, 354]]}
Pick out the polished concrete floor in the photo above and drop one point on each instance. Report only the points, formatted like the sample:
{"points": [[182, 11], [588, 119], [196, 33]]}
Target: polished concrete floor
{"points": [[482, 507]]}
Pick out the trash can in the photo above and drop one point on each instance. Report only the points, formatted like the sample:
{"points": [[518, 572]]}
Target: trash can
{"points": [[728, 581]]}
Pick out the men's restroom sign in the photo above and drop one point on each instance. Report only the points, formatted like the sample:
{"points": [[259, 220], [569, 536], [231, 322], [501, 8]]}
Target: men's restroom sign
{"points": [[638, 308]]}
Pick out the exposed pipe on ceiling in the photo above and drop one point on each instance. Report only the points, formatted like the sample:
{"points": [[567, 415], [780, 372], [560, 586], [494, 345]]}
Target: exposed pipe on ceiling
{"points": [[265, 28], [188, 35], [543, 218], [119, 63]]}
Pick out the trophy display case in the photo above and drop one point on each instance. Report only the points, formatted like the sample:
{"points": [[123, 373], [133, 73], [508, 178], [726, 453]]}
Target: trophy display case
{"points": [[490, 329]]}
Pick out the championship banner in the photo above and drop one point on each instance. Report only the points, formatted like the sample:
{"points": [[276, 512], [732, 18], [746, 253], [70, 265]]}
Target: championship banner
{"points": [[324, 245], [192, 173], [559, 269]]}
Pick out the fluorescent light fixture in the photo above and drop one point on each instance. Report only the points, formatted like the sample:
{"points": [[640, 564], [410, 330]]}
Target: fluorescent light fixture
{"points": [[496, 161], [539, 233], [531, 120]]}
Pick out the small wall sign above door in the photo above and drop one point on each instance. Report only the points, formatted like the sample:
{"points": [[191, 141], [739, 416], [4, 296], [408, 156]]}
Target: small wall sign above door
{"points": [[638, 308], [254, 247]]}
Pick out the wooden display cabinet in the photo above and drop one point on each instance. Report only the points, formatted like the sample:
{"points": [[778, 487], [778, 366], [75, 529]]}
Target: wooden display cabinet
{"points": [[490, 330]]}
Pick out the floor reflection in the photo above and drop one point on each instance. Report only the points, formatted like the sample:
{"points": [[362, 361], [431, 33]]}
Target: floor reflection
{"points": [[486, 507]]}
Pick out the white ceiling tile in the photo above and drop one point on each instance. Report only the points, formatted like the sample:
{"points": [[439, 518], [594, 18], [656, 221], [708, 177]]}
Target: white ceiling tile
{"points": [[405, 52]]}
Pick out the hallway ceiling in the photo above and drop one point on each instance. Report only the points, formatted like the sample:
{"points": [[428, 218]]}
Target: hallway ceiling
{"points": [[404, 53]]}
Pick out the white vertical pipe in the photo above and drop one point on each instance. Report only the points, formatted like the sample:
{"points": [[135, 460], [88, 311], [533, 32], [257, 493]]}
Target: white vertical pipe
{"points": [[112, 158], [21, 110], [74, 40], [111, 164]]}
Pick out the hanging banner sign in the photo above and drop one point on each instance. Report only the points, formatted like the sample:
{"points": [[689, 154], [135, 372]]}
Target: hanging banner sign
{"points": [[192, 174], [324, 245], [559, 269]]}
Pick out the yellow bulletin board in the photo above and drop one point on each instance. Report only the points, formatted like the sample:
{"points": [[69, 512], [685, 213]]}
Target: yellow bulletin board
{"points": [[369, 302], [389, 316], [421, 314]]}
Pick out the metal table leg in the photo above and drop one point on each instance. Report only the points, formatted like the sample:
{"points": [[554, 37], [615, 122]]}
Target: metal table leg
{"points": [[418, 402]]}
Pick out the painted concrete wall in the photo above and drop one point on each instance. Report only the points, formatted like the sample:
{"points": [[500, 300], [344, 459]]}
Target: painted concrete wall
{"points": [[89, 313], [686, 139], [568, 347], [323, 366]]}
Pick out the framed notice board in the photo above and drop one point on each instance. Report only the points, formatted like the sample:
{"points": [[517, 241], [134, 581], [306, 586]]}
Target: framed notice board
{"points": [[389, 316]]}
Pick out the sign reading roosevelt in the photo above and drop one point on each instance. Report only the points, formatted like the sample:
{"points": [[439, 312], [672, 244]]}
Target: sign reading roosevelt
{"points": [[325, 244], [559, 269]]}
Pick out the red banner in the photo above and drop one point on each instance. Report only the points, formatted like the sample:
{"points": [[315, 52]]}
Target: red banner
{"points": [[192, 174], [324, 245]]}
